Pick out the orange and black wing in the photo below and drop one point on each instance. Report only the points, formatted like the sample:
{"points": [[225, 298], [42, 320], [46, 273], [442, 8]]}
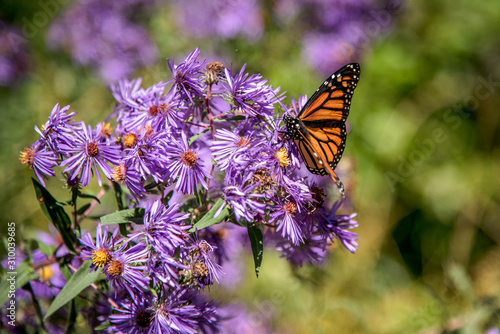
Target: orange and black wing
{"points": [[332, 100], [322, 121]]}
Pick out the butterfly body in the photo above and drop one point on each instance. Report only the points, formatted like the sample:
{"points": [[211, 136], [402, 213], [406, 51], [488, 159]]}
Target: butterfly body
{"points": [[319, 130]]}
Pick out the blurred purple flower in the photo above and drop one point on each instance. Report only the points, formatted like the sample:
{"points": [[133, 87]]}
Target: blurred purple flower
{"points": [[338, 226], [223, 18], [14, 56], [312, 250], [101, 35]]}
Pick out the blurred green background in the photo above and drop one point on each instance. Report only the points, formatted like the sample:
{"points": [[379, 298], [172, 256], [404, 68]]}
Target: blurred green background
{"points": [[423, 160]]}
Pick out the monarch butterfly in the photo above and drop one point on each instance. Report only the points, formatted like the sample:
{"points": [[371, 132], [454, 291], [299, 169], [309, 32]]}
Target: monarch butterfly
{"points": [[319, 130]]}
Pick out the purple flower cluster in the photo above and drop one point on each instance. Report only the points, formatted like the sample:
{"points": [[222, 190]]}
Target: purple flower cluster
{"points": [[14, 57], [210, 135], [223, 18], [337, 32], [103, 35]]}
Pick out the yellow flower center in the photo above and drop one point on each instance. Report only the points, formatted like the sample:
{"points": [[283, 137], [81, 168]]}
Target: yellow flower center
{"points": [[282, 157], [107, 130], [119, 173], [243, 142], [101, 257], [45, 273], [129, 140]]}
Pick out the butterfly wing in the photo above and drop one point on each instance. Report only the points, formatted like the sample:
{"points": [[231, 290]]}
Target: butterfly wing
{"points": [[319, 131], [323, 119]]}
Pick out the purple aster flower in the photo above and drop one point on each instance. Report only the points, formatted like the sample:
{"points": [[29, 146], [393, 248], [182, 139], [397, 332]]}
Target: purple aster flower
{"points": [[297, 191], [208, 318], [93, 30], [251, 94], [186, 167], [243, 200], [339, 36], [202, 270], [163, 268], [312, 250], [129, 95], [133, 316], [188, 78], [172, 314], [58, 129], [139, 107], [86, 151], [236, 318], [14, 56], [334, 226], [126, 270], [339, 226], [144, 151], [283, 213], [42, 161], [225, 18], [163, 228], [128, 176], [99, 253], [230, 148], [50, 278]]}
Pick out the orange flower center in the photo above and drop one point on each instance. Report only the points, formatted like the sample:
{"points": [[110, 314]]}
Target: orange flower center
{"points": [[189, 158], [27, 156], [290, 208], [119, 173], [92, 149], [115, 268], [129, 140]]}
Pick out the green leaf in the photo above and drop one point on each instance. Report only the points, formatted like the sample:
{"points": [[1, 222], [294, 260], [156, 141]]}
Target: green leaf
{"points": [[208, 219], [23, 274], [233, 118], [70, 323], [81, 279], [124, 216], [45, 248], [102, 327], [82, 209], [118, 195], [256, 238], [82, 195], [56, 214], [196, 136]]}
